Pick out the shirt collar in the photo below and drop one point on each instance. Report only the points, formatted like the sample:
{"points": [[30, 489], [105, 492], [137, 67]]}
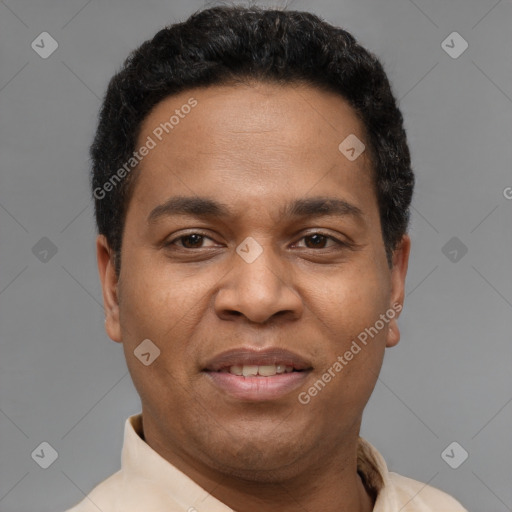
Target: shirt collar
{"points": [[138, 459]]}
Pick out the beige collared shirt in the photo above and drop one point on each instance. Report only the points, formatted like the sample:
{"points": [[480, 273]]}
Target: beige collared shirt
{"points": [[147, 482]]}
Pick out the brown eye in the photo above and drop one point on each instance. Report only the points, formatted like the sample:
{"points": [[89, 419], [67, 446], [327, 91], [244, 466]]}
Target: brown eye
{"points": [[190, 241], [317, 241]]}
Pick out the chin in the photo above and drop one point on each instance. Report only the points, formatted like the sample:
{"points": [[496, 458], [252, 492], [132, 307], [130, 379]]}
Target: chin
{"points": [[262, 459], [265, 468]]}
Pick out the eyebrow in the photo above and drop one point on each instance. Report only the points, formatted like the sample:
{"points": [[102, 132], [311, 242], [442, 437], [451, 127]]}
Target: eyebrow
{"points": [[204, 207]]}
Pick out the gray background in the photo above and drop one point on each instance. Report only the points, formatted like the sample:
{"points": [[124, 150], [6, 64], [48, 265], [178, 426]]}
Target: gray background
{"points": [[64, 382]]}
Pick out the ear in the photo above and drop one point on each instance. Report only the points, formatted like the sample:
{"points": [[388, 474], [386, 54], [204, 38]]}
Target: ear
{"points": [[398, 273], [109, 285]]}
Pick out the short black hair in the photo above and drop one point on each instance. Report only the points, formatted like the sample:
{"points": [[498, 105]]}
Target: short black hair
{"points": [[230, 44]]}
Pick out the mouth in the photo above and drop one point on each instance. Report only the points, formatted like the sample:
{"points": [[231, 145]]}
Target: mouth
{"points": [[263, 370], [257, 375]]}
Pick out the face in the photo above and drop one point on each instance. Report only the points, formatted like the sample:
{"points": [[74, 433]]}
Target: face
{"points": [[253, 259]]}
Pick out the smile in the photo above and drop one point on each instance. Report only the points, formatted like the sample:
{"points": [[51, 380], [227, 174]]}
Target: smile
{"points": [[248, 370], [257, 375]]}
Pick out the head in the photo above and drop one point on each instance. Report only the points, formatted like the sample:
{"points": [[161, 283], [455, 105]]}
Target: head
{"points": [[252, 185]]}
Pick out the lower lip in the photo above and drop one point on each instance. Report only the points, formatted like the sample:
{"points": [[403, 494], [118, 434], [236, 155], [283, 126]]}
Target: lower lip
{"points": [[258, 388]]}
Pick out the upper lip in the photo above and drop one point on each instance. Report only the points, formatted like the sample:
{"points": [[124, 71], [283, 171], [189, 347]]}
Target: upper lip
{"points": [[257, 357]]}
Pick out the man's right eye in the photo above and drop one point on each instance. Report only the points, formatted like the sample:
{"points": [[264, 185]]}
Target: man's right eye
{"points": [[189, 241]]}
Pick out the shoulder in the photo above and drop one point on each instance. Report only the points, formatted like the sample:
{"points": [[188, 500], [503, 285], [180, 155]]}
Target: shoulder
{"points": [[124, 493], [104, 495], [417, 496]]}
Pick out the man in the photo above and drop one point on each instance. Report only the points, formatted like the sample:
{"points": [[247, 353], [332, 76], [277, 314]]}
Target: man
{"points": [[252, 185]]}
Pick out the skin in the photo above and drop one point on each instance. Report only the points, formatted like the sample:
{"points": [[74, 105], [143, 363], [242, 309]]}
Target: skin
{"points": [[259, 145]]}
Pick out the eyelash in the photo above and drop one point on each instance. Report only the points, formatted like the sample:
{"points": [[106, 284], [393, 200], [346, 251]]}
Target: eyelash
{"points": [[204, 235]]}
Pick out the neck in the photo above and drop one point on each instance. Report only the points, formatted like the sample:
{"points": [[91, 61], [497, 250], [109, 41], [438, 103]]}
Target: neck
{"points": [[328, 482], [330, 490]]}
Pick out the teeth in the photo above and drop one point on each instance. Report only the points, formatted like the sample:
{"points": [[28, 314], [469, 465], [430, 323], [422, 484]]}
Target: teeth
{"points": [[237, 370], [267, 370], [249, 370]]}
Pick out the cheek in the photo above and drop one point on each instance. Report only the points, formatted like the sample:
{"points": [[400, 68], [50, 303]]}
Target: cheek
{"points": [[153, 297], [158, 307], [348, 310], [166, 307], [351, 299]]}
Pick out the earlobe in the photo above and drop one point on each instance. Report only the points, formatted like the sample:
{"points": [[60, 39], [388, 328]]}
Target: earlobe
{"points": [[398, 275], [393, 336], [109, 285]]}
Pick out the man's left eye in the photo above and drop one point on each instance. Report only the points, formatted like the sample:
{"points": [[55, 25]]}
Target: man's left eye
{"points": [[318, 240]]}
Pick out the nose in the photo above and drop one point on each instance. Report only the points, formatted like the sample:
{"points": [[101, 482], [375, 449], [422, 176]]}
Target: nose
{"points": [[260, 291]]}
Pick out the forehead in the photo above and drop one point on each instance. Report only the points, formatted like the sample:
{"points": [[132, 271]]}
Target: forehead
{"points": [[298, 115], [253, 141]]}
